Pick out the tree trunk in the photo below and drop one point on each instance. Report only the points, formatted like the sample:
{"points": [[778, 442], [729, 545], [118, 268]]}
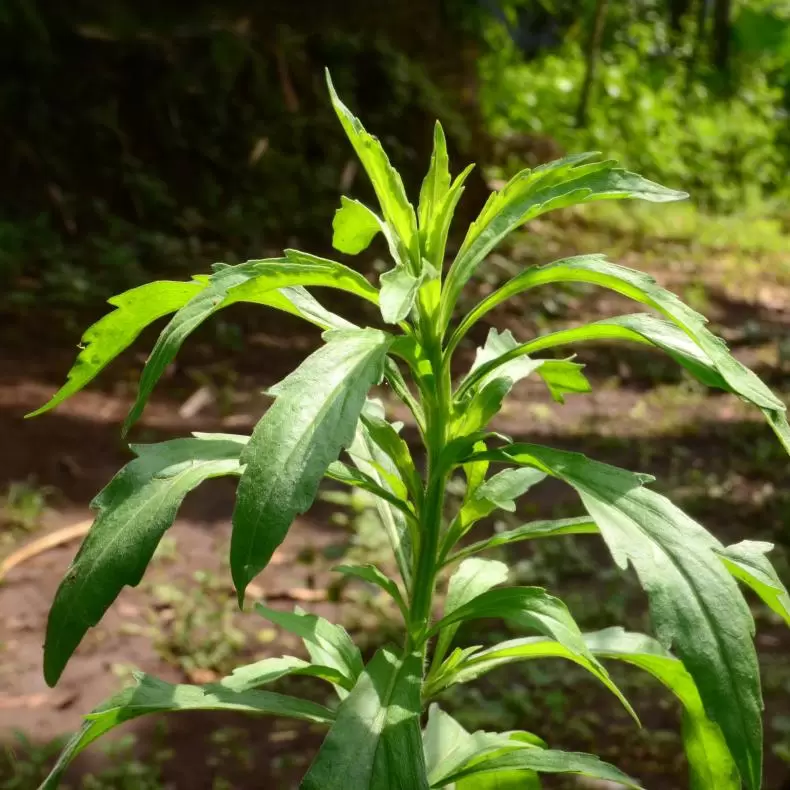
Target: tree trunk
{"points": [[700, 38], [593, 53]]}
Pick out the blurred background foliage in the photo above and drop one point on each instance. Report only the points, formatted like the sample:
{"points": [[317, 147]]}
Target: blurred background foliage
{"points": [[141, 138]]}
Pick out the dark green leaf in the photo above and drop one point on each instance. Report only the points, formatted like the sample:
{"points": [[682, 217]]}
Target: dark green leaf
{"points": [[531, 193], [314, 415], [151, 695], [134, 511], [254, 281], [375, 742], [328, 644], [354, 227], [343, 473], [747, 562], [116, 331], [695, 604]]}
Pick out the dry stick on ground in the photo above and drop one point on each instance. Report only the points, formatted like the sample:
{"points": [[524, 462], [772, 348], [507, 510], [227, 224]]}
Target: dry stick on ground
{"points": [[45, 543]]}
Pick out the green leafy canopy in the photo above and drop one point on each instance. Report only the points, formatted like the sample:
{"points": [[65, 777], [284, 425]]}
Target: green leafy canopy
{"points": [[328, 420]]}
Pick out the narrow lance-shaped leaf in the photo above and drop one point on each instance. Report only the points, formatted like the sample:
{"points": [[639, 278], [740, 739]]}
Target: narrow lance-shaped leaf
{"points": [[134, 511], [534, 608], [695, 604], [437, 181], [151, 695], [314, 415], [530, 193], [398, 212], [747, 562], [435, 236], [371, 574], [116, 331], [254, 281], [375, 742], [328, 644], [267, 670]]}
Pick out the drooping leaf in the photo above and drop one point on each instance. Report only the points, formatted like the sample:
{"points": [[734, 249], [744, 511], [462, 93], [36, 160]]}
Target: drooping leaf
{"points": [[533, 608], [308, 307], [116, 331], [254, 281], [596, 270], [696, 606], [387, 184], [354, 227], [531, 193], [328, 644], [371, 574], [375, 742], [150, 695], [710, 762], [314, 415], [398, 291], [133, 512], [583, 525], [747, 562], [472, 578]]}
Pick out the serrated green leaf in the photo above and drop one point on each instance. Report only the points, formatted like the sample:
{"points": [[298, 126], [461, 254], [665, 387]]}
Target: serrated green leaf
{"points": [[116, 331], [387, 184], [583, 525], [398, 291], [133, 512], [254, 281], [354, 226], [371, 574], [472, 578], [695, 604], [314, 415], [539, 761], [151, 695], [596, 270], [710, 762], [534, 608], [531, 193], [328, 644], [747, 562], [375, 742]]}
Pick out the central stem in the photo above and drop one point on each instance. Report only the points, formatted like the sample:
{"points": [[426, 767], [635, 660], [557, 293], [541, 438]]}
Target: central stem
{"points": [[438, 406]]}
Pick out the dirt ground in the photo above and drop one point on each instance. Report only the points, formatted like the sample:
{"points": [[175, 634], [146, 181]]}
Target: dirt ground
{"points": [[715, 457]]}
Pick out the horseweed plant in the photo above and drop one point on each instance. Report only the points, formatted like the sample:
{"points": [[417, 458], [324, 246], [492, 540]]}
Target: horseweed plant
{"points": [[376, 737]]}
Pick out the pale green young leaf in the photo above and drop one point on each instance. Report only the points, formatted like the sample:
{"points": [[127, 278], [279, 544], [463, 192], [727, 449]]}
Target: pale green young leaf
{"points": [[268, 670], [710, 762], [354, 226], [538, 761], [371, 574], [116, 331], [596, 270], [375, 742], [533, 608], [254, 281], [531, 193], [387, 184], [313, 417], [695, 604], [583, 525], [747, 562], [435, 236], [369, 457], [306, 306], [150, 695], [328, 644], [133, 512], [472, 578], [398, 291], [436, 184]]}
